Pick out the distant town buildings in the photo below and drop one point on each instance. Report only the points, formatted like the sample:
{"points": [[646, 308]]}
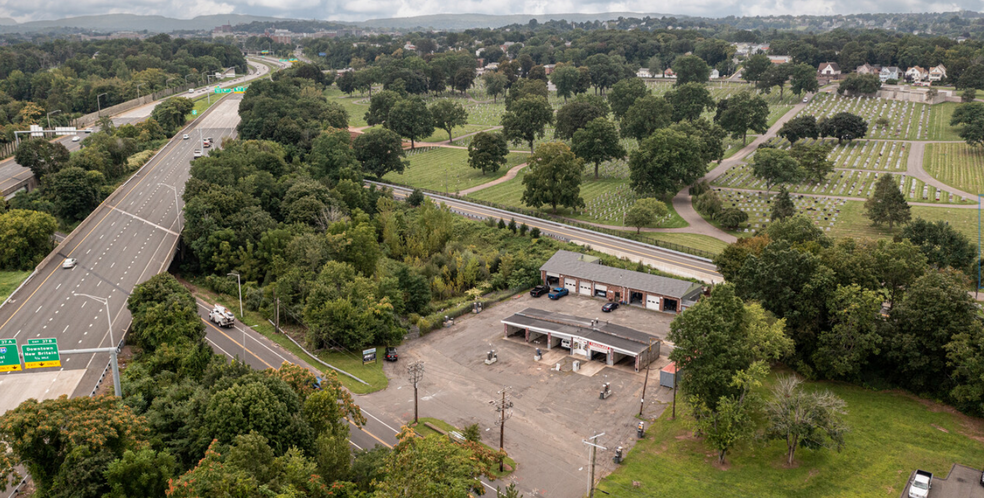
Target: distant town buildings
{"points": [[890, 73]]}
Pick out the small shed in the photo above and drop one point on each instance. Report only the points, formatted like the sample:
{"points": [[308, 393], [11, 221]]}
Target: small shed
{"points": [[667, 375]]}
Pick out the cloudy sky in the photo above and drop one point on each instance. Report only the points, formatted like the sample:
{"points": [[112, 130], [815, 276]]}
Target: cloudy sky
{"points": [[358, 10]]}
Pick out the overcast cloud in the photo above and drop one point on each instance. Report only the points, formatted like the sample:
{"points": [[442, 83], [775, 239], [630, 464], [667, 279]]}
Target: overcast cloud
{"points": [[358, 10]]}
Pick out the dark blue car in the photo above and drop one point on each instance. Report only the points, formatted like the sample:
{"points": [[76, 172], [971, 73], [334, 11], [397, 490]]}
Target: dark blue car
{"points": [[557, 293], [609, 307]]}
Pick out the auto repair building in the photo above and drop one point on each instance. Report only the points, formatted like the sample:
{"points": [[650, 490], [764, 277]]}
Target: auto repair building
{"points": [[585, 275], [584, 337]]}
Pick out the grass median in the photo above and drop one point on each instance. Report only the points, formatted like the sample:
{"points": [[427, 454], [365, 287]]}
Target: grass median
{"points": [[9, 280]]}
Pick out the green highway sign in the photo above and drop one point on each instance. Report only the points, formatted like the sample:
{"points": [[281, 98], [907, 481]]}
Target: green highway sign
{"points": [[223, 90], [9, 361], [41, 353]]}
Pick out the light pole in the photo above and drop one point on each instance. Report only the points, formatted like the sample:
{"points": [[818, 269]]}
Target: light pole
{"points": [[415, 371], [99, 107], [109, 322], [49, 117], [176, 206], [240, 285], [167, 80], [138, 89], [188, 76]]}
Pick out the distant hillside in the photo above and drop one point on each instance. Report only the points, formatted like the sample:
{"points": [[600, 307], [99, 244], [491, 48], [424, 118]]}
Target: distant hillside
{"points": [[131, 22], [6, 21], [466, 21]]}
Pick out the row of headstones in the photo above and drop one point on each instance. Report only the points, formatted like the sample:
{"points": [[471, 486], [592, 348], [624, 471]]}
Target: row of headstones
{"points": [[759, 211], [868, 109]]}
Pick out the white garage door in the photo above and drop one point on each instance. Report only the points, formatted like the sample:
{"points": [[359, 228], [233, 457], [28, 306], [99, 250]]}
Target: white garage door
{"points": [[652, 302], [554, 275], [586, 288], [602, 288], [571, 284]]}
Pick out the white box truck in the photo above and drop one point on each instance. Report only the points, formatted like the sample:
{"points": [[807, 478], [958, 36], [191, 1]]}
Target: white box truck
{"points": [[221, 316]]}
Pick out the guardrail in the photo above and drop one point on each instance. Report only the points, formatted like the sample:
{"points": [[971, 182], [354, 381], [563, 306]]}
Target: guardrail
{"points": [[504, 211], [319, 360]]}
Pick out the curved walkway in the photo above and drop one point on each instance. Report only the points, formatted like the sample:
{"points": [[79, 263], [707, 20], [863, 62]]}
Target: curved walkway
{"points": [[504, 178]]}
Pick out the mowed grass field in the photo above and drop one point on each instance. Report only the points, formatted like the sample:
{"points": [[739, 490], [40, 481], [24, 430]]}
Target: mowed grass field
{"points": [[9, 280], [956, 164], [853, 223], [694, 240], [891, 434], [446, 170], [939, 122]]}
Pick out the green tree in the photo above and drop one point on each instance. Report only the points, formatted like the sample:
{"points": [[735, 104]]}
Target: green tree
{"points": [[565, 78], [942, 244], [25, 238], [164, 312], [172, 113], [487, 151], [665, 162], [644, 212], [755, 67], [887, 204], [844, 126], [647, 115], [709, 135], [970, 115], [605, 71], [625, 93], [380, 106], [803, 78], [380, 151], [553, 177], [41, 156], [968, 95], [800, 127], [412, 119], [813, 160], [691, 69], [776, 75], [689, 101], [775, 166], [448, 115], [74, 191], [529, 119], [853, 339], [525, 88], [432, 467], [804, 419], [782, 205], [743, 112], [495, 84], [332, 155], [860, 84], [575, 116], [598, 142], [966, 353], [144, 472], [731, 217]]}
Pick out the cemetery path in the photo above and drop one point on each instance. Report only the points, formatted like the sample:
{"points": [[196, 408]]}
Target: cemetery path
{"points": [[505, 178], [447, 142], [914, 168]]}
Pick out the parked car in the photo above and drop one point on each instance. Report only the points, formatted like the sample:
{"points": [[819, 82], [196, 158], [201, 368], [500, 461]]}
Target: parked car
{"points": [[609, 307], [391, 354], [539, 290], [921, 482], [558, 292], [69, 263]]}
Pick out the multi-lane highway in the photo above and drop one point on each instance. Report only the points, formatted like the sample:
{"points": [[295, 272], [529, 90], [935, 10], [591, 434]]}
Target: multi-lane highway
{"points": [[14, 177], [663, 259]]}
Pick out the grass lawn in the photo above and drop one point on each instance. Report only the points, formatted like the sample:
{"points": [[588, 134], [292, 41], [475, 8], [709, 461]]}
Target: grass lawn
{"points": [[958, 165], [444, 169], [890, 435], [9, 280], [372, 373], [425, 431], [694, 240], [939, 122], [853, 222], [441, 136]]}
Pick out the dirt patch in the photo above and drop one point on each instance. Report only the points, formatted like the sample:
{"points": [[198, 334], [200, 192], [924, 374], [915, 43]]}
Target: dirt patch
{"points": [[716, 463], [813, 472], [971, 427], [939, 428]]}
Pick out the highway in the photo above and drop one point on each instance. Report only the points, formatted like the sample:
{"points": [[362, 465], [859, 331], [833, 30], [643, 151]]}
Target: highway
{"points": [[125, 241], [14, 177], [665, 260]]}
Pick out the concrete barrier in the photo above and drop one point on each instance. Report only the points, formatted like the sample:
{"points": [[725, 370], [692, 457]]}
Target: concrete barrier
{"points": [[91, 118]]}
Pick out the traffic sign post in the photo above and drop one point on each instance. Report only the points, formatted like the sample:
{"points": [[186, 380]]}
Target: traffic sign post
{"points": [[9, 361], [41, 353]]}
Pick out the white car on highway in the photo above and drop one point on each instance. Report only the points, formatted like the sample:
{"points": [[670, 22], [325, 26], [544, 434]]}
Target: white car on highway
{"points": [[69, 263], [198, 153], [184, 137], [76, 138]]}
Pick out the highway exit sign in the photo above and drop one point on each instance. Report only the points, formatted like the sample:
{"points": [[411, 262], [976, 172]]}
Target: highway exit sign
{"points": [[9, 361], [41, 353]]}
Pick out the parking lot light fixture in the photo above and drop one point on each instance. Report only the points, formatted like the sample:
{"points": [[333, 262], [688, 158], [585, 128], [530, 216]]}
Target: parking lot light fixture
{"points": [[415, 372]]}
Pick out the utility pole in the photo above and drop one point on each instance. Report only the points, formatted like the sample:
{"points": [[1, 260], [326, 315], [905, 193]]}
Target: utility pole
{"points": [[239, 284], [98, 106], [649, 361], [592, 450], [415, 371], [676, 371], [503, 411]]}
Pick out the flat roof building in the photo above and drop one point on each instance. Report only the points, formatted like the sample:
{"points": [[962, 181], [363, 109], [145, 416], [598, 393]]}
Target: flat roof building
{"points": [[585, 275]]}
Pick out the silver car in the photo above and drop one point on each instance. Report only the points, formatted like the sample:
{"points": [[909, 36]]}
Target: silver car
{"points": [[69, 263]]}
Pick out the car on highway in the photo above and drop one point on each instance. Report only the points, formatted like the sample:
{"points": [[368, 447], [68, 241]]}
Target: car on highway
{"points": [[558, 292], [76, 138], [609, 307], [184, 137], [391, 354], [191, 90], [69, 263], [539, 290], [198, 153], [206, 144]]}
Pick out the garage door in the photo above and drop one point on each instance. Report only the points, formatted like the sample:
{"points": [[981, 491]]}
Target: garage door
{"points": [[554, 275], [571, 284], [601, 290], [652, 302], [585, 288]]}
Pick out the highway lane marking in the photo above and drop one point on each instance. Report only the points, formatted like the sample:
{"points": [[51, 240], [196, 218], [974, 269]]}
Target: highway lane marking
{"points": [[236, 343], [151, 223], [384, 443], [356, 446]]}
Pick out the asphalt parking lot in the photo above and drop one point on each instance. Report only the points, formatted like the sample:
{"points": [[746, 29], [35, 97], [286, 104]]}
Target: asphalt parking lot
{"points": [[961, 482], [553, 411]]}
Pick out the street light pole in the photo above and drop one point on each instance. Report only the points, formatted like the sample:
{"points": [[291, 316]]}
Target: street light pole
{"points": [[240, 285], [109, 322], [138, 89], [176, 206], [49, 117], [99, 107]]}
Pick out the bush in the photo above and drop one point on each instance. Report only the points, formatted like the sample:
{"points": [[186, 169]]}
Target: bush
{"points": [[535, 233], [472, 433]]}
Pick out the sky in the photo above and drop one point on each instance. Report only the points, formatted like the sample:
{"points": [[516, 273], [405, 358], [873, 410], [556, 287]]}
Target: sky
{"points": [[359, 10]]}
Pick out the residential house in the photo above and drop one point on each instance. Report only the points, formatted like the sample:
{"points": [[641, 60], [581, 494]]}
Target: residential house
{"points": [[668, 73], [779, 59], [868, 69], [829, 69], [890, 73], [715, 74], [916, 73], [643, 73], [549, 68], [937, 73], [410, 47]]}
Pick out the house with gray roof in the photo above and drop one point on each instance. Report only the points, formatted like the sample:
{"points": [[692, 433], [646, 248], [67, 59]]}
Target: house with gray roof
{"points": [[585, 275]]}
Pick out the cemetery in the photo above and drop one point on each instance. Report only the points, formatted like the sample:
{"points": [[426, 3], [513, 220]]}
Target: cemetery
{"points": [[858, 154], [823, 211], [444, 169], [956, 164], [905, 120]]}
